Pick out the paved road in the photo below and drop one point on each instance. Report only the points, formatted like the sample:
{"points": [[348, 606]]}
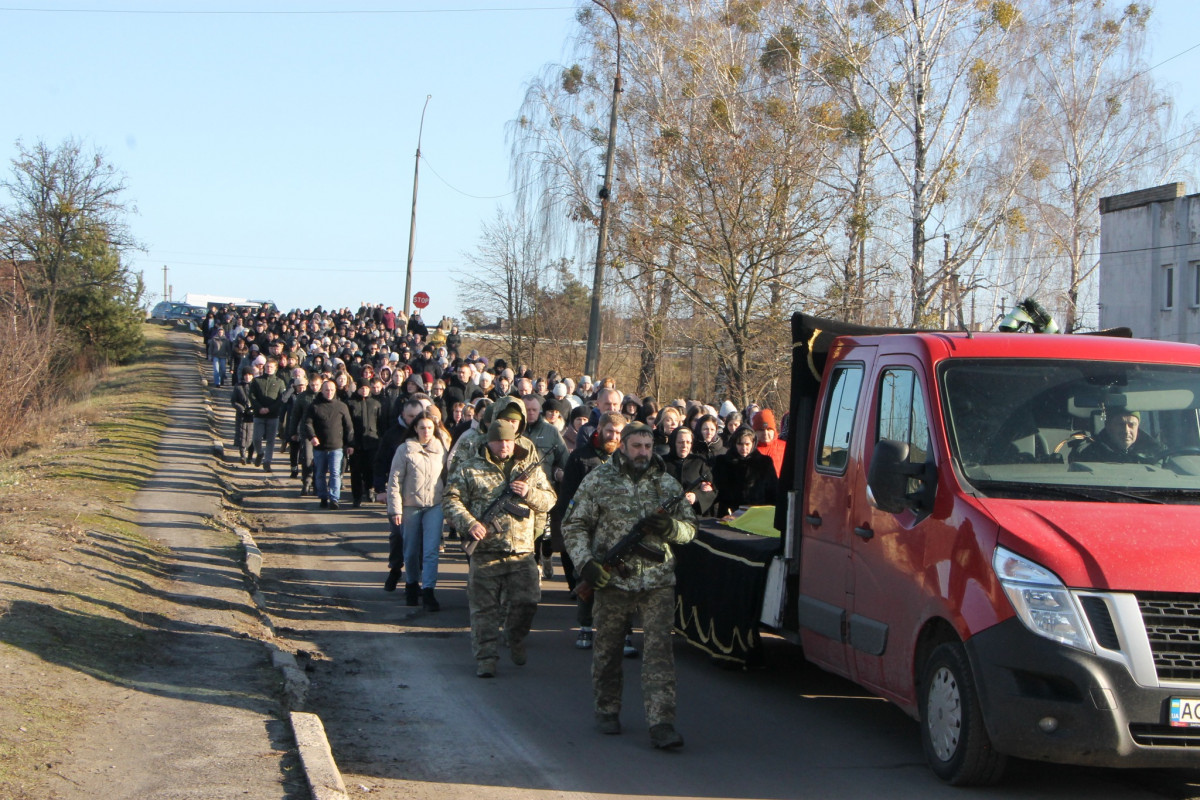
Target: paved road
{"points": [[407, 717]]}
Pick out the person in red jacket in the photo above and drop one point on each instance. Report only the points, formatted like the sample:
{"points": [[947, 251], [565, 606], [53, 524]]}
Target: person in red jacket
{"points": [[769, 443]]}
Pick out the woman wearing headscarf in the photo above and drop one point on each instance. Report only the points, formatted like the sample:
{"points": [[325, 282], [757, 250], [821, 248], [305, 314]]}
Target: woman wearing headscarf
{"points": [[744, 476], [691, 470], [708, 442], [731, 425]]}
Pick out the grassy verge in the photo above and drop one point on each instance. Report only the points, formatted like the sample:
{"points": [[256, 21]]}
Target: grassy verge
{"points": [[76, 576]]}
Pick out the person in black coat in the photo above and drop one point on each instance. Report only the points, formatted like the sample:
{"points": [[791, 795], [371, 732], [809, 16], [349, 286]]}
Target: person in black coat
{"points": [[691, 470], [327, 425], [744, 476], [243, 426], [365, 414], [708, 439]]}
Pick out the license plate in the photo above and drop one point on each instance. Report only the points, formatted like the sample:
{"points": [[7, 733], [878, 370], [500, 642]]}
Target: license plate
{"points": [[1185, 712]]}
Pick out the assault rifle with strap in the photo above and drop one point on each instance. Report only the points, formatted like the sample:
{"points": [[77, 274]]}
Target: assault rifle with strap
{"points": [[632, 543], [507, 502]]}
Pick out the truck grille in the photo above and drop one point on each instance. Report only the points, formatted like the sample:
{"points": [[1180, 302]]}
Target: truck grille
{"points": [[1164, 736], [1173, 626]]}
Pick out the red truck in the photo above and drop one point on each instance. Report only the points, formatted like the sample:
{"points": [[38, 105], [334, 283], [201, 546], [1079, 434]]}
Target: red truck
{"points": [[973, 534]]}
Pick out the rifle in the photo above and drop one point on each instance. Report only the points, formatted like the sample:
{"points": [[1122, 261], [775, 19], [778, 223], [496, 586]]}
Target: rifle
{"points": [[507, 502], [630, 543]]}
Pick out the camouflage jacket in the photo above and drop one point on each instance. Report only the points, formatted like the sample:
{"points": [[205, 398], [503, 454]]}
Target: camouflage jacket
{"points": [[611, 499], [479, 480], [466, 447]]}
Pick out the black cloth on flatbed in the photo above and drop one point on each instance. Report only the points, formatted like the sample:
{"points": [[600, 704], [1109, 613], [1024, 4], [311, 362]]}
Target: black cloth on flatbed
{"points": [[720, 578]]}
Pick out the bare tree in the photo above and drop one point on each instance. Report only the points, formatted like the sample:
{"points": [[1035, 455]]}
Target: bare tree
{"points": [[66, 204], [1101, 123], [506, 281], [938, 66]]}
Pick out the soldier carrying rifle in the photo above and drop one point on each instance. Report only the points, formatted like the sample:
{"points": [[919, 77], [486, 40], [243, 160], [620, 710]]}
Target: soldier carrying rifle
{"points": [[491, 497], [631, 492]]}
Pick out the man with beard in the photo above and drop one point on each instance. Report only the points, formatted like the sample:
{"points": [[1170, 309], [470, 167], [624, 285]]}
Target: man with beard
{"points": [[627, 492], [502, 581], [588, 455]]}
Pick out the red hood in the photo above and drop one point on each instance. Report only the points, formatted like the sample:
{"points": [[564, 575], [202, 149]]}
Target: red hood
{"points": [[1117, 546]]}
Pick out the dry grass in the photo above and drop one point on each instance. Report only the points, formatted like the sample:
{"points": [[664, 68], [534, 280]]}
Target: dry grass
{"points": [[76, 576]]}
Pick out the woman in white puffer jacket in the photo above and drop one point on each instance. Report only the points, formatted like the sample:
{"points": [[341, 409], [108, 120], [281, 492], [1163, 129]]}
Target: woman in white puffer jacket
{"points": [[414, 503]]}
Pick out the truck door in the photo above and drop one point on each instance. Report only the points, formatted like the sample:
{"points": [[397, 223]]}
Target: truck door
{"points": [[888, 550], [834, 477]]}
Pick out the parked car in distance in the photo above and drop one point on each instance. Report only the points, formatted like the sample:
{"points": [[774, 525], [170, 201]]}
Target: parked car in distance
{"points": [[168, 311]]}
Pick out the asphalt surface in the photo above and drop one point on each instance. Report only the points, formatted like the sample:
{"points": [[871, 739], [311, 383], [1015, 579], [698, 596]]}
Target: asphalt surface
{"points": [[406, 717]]}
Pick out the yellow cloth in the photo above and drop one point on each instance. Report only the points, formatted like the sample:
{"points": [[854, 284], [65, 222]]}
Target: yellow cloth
{"points": [[759, 520]]}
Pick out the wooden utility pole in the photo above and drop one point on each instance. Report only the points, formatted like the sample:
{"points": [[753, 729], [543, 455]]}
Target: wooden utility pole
{"points": [[591, 363], [412, 225]]}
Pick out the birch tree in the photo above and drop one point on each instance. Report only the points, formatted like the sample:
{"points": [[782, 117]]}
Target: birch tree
{"points": [[1102, 125]]}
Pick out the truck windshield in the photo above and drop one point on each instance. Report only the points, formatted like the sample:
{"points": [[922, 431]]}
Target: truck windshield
{"points": [[1066, 429]]}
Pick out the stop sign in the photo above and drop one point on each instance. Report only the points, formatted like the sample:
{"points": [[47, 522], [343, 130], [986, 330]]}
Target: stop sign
{"points": [[420, 299]]}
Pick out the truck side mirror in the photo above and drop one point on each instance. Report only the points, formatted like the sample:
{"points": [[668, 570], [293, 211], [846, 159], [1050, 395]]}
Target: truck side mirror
{"points": [[888, 478]]}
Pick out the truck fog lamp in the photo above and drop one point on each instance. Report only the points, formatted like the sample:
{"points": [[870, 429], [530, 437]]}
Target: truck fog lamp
{"points": [[1041, 601], [1048, 724]]}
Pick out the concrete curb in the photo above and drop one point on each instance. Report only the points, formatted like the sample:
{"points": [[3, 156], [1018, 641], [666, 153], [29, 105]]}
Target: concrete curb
{"points": [[295, 680], [321, 771], [324, 779], [253, 555]]}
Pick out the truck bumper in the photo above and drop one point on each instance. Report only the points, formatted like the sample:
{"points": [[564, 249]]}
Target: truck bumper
{"points": [[1101, 716]]}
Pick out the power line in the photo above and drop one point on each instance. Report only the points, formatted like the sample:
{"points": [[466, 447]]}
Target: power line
{"points": [[277, 12], [253, 268], [156, 255], [454, 188]]}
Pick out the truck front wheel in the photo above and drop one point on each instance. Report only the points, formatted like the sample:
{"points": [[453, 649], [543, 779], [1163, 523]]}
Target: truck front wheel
{"points": [[955, 740]]}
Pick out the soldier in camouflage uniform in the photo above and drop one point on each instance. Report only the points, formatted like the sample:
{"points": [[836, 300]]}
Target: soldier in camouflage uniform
{"points": [[502, 563], [619, 494]]}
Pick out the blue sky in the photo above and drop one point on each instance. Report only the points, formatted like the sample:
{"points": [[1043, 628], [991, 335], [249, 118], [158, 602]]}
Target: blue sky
{"points": [[271, 155]]}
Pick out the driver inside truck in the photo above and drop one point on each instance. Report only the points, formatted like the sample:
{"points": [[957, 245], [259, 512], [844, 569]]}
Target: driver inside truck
{"points": [[1122, 441]]}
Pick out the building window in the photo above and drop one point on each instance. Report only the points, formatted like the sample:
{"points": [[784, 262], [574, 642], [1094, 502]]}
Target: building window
{"points": [[1168, 287], [1194, 300]]}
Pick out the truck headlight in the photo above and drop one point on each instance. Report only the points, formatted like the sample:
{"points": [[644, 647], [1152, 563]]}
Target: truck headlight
{"points": [[1041, 600]]}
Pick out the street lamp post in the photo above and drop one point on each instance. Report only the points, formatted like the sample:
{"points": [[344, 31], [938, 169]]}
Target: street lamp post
{"points": [[412, 225], [591, 364]]}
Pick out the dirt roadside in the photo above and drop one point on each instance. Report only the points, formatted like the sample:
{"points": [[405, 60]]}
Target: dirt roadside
{"points": [[132, 661]]}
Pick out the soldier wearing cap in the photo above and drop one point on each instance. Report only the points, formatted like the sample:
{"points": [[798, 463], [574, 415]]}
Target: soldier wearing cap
{"points": [[625, 491], [502, 562]]}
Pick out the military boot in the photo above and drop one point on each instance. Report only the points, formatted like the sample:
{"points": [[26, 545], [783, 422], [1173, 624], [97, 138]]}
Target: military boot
{"points": [[664, 736]]}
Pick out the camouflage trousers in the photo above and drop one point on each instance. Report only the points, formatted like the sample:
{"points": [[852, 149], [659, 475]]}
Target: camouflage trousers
{"points": [[614, 612], [492, 579]]}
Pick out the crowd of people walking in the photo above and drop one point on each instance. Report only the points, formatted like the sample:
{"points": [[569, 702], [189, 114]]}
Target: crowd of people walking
{"points": [[517, 465]]}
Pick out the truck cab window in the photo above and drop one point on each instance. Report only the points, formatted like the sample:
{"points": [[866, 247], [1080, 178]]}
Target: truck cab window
{"points": [[902, 416], [841, 403]]}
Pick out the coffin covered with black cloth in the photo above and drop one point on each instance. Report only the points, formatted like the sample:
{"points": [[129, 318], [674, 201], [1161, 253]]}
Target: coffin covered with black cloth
{"points": [[719, 582]]}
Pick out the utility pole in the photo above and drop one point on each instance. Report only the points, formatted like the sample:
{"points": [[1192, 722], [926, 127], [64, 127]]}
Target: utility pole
{"points": [[166, 289], [412, 225], [591, 364]]}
